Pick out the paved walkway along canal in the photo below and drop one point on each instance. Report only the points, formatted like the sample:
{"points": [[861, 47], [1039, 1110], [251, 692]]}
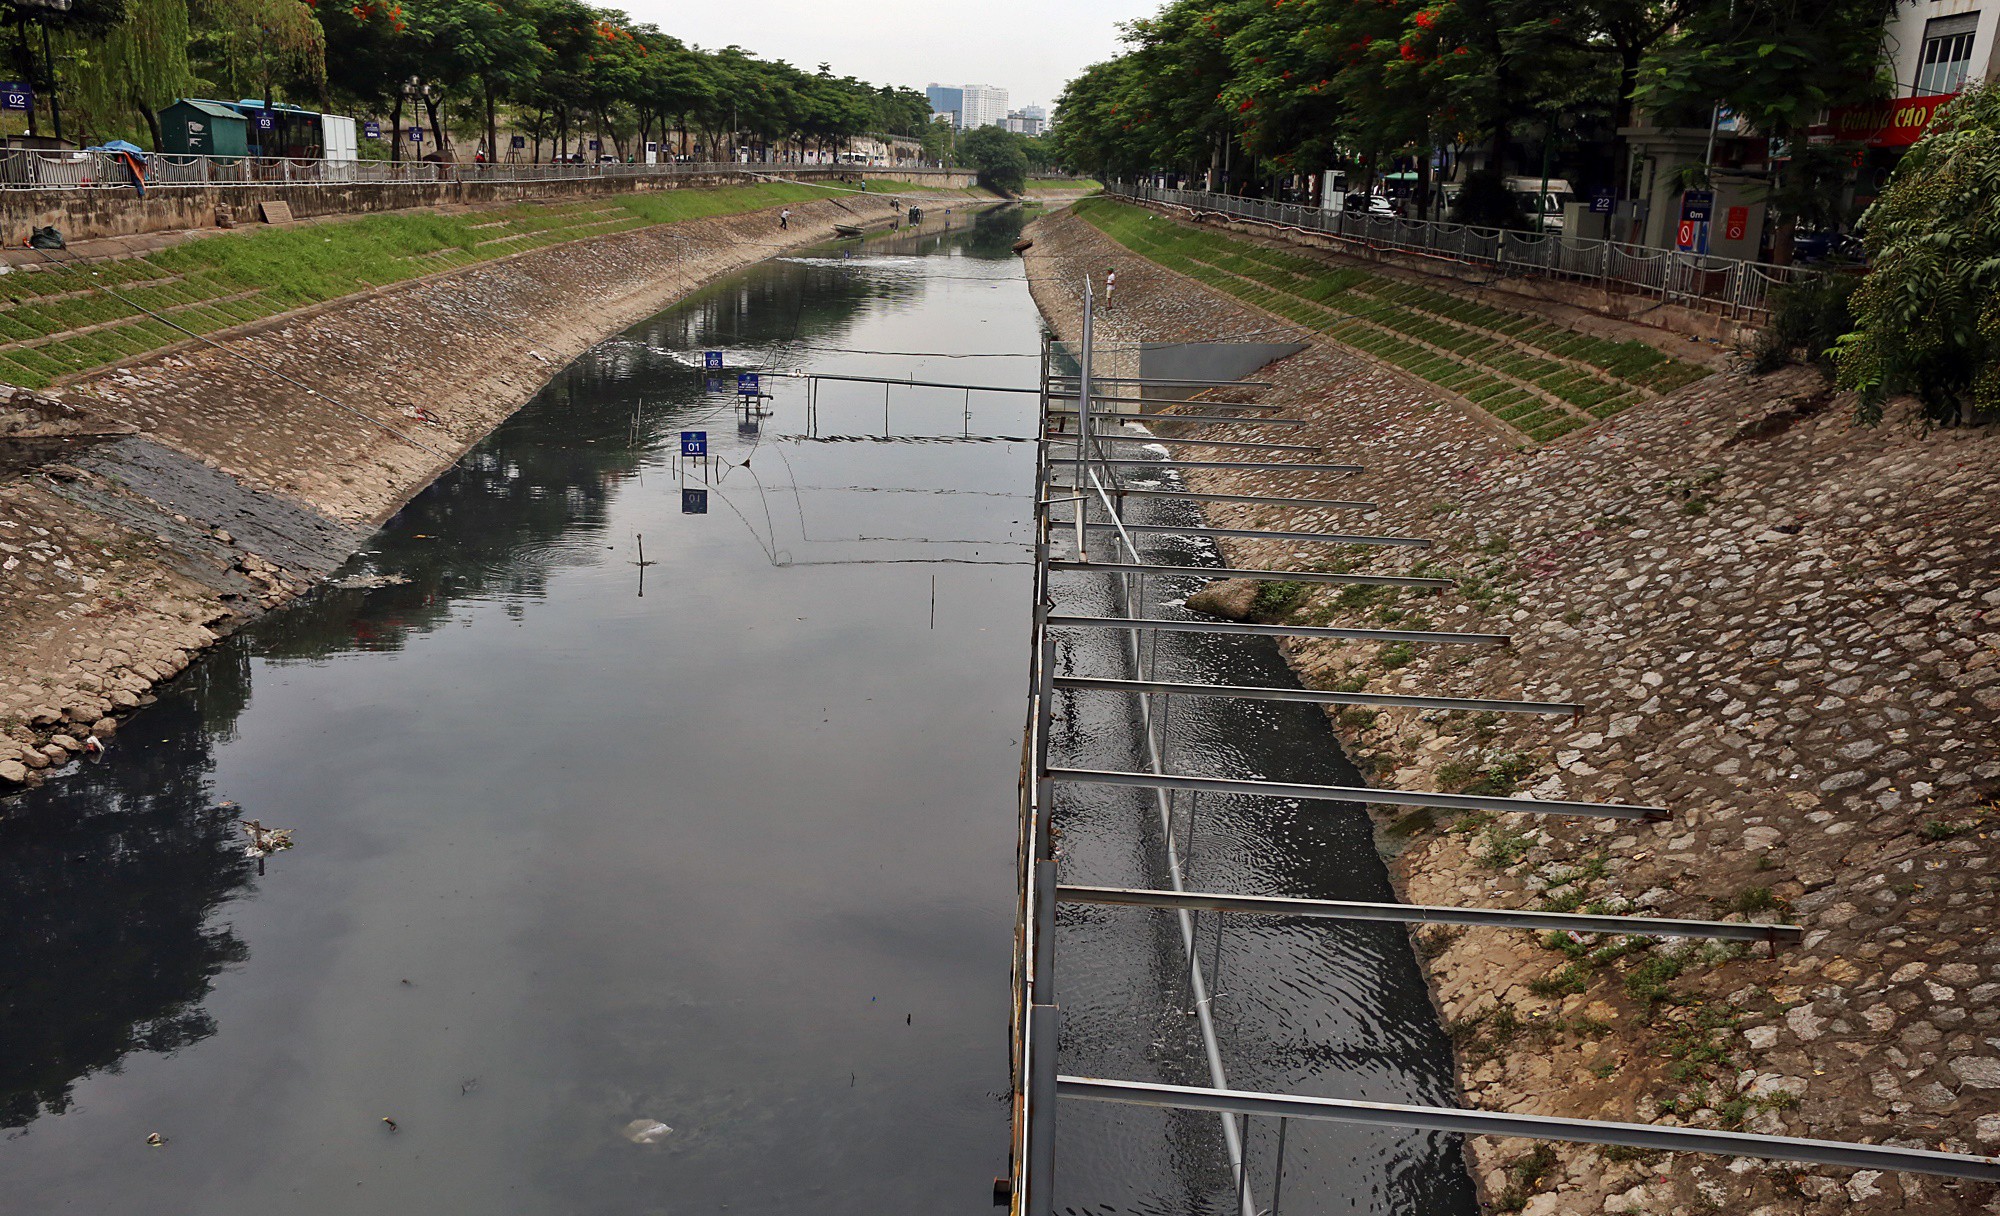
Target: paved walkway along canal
{"points": [[627, 888]]}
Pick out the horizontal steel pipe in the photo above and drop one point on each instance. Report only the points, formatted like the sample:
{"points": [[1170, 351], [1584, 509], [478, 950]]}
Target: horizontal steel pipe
{"points": [[1070, 394], [1293, 576], [1356, 793], [1254, 499], [1535, 1127], [1240, 466], [1203, 419], [1279, 631], [1333, 538], [977, 388], [1423, 914], [1175, 382], [1319, 696], [1177, 441]]}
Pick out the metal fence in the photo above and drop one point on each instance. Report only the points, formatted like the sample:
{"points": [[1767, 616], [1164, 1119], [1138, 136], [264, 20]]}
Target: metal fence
{"points": [[1729, 286], [29, 169]]}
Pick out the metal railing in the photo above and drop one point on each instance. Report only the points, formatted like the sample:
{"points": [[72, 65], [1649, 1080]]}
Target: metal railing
{"points": [[1730, 286], [1082, 412], [33, 169]]}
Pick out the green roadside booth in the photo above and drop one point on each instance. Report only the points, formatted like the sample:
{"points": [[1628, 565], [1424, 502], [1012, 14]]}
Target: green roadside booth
{"points": [[203, 128]]}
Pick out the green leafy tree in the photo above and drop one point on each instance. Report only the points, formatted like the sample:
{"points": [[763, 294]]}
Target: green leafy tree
{"points": [[999, 157], [1927, 317]]}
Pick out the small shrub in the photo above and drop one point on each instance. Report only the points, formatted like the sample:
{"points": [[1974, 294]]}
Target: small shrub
{"points": [[1807, 317], [1275, 600]]}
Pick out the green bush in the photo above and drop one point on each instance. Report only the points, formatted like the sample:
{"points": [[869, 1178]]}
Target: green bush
{"points": [[1927, 317], [1808, 316]]}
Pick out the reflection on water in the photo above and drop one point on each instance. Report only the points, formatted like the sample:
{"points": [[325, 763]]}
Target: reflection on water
{"points": [[1301, 1006], [110, 940]]}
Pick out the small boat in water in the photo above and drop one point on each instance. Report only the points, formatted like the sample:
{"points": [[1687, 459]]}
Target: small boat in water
{"points": [[848, 229]]}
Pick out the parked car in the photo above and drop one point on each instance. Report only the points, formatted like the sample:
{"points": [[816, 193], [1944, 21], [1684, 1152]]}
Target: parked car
{"points": [[1367, 204], [1823, 245]]}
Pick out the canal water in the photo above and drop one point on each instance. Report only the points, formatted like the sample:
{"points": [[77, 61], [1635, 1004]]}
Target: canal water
{"points": [[662, 888]]}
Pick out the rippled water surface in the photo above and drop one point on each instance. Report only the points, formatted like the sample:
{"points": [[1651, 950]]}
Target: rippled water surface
{"points": [[722, 844]]}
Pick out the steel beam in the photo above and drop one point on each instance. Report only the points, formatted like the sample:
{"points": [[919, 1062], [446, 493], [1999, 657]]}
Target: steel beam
{"points": [[1331, 538], [1536, 1127], [1421, 914], [1291, 576], [1278, 631], [1318, 696], [1356, 793]]}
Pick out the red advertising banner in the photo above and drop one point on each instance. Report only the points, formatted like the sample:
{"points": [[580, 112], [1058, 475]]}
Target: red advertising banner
{"points": [[1888, 124]]}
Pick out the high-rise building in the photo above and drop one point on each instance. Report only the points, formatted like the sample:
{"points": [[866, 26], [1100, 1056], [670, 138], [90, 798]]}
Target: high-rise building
{"points": [[970, 105], [948, 102]]}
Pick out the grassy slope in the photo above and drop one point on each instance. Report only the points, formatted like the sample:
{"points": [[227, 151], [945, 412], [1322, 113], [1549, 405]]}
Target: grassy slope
{"points": [[1064, 183], [1588, 377], [222, 281]]}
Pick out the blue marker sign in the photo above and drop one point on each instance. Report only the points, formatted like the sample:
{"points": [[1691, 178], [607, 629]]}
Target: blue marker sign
{"points": [[266, 121], [694, 443], [416, 135], [712, 360], [715, 384], [746, 383], [17, 96], [372, 130], [694, 502], [1601, 203], [597, 145], [517, 141]]}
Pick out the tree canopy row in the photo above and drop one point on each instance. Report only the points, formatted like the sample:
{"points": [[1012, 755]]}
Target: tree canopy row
{"points": [[551, 68], [1253, 90]]}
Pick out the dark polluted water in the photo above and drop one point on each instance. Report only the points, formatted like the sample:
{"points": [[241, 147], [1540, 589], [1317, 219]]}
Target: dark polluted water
{"points": [[685, 887]]}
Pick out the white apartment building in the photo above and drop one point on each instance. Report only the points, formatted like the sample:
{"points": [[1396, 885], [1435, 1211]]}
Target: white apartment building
{"points": [[982, 105], [1936, 47]]}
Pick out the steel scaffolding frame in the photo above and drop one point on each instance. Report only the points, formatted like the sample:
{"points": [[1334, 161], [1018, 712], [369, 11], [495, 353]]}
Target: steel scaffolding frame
{"points": [[1038, 1085]]}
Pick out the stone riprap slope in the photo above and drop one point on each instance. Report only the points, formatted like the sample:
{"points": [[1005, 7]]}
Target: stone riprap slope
{"points": [[1786, 630], [1539, 379], [199, 490]]}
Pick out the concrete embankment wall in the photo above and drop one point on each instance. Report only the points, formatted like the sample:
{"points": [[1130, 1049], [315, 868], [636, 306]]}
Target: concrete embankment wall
{"points": [[1785, 630], [86, 214], [229, 489]]}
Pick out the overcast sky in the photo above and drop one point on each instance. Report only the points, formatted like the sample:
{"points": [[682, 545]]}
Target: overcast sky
{"points": [[1028, 47]]}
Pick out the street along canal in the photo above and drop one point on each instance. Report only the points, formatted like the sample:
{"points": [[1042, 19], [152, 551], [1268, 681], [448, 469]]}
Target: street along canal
{"points": [[622, 888]]}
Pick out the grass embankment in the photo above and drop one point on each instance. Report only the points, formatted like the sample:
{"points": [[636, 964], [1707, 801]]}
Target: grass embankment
{"points": [[1539, 378], [1064, 183], [52, 323]]}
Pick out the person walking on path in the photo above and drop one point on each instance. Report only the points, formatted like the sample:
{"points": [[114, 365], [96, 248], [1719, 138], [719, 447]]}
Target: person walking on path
{"points": [[785, 218]]}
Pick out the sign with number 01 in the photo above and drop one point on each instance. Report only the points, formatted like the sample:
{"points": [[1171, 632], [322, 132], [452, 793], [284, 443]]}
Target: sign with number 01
{"points": [[694, 443], [694, 502]]}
